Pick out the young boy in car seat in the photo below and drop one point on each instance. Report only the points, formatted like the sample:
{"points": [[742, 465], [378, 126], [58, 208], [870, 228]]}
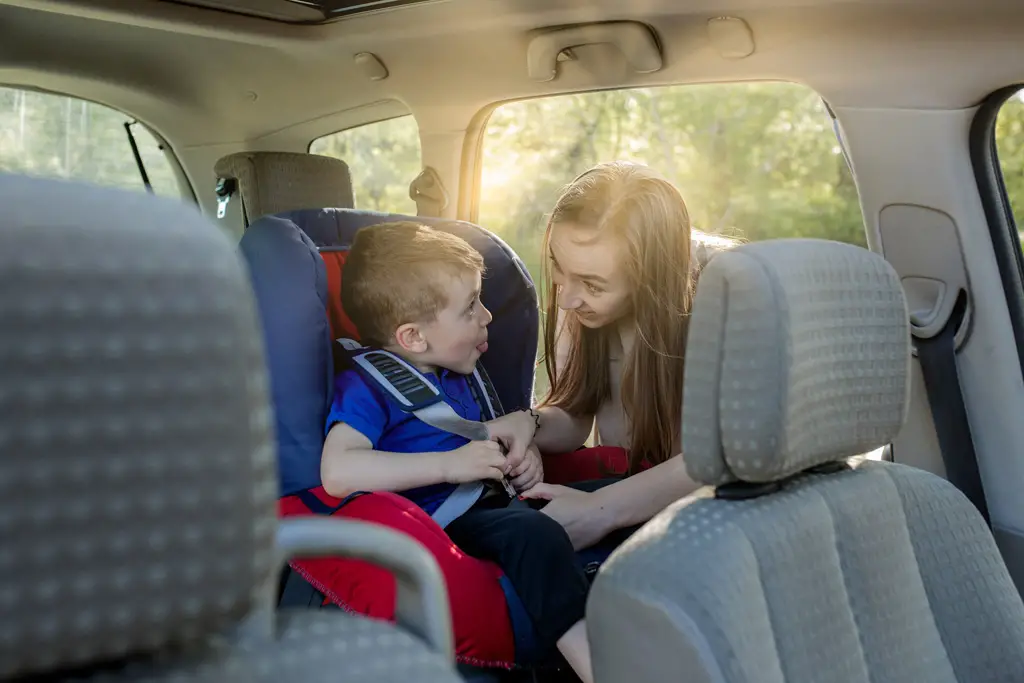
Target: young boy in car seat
{"points": [[415, 292]]}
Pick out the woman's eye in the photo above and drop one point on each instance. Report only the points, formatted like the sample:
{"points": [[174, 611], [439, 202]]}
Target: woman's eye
{"points": [[591, 288]]}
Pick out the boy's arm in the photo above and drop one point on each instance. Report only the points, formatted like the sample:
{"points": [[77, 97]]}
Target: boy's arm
{"points": [[350, 464]]}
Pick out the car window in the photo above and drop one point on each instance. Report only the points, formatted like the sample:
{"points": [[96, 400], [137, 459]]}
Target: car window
{"points": [[55, 136], [1010, 148], [383, 158], [753, 161]]}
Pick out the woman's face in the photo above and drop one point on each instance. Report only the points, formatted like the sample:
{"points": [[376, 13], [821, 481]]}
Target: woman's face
{"points": [[588, 271]]}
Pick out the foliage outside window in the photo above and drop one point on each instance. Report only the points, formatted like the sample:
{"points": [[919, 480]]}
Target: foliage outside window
{"points": [[54, 136], [1010, 147], [383, 158]]}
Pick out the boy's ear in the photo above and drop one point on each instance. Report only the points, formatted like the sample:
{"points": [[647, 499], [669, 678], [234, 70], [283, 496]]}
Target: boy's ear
{"points": [[410, 338]]}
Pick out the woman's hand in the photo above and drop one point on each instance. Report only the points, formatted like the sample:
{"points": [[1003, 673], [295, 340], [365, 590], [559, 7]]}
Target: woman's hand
{"points": [[530, 471], [580, 513], [514, 431]]}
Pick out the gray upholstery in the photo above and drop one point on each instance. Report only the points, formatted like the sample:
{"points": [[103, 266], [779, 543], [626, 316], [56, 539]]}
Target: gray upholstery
{"points": [[275, 182], [811, 335], [137, 473], [312, 647], [875, 573]]}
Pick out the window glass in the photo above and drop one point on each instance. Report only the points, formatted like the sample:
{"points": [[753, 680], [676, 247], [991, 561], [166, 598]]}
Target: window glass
{"points": [[49, 135], [383, 158], [1010, 146], [753, 160]]}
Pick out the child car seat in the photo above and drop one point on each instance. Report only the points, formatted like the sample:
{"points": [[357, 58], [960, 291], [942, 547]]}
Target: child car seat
{"points": [[297, 275], [296, 263]]}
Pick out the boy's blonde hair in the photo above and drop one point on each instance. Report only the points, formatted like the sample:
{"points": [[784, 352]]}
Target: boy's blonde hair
{"points": [[397, 273]]}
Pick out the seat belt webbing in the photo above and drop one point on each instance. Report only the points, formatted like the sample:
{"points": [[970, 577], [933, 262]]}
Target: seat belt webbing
{"points": [[949, 413], [407, 386]]}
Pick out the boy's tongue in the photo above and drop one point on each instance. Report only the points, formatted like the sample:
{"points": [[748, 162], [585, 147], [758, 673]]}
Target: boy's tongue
{"points": [[482, 348]]}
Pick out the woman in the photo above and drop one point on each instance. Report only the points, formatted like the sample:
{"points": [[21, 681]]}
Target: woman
{"points": [[620, 282]]}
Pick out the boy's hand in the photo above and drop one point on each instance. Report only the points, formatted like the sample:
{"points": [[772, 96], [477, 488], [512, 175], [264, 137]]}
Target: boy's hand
{"points": [[515, 431], [530, 472], [476, 461]]}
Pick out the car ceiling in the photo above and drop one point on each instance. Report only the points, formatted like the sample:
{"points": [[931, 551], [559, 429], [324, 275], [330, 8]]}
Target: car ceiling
{"points": [[204, 77]]}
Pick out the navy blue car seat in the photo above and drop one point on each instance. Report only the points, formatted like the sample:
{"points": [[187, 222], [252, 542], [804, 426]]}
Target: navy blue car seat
{"points": [[296, 260]]}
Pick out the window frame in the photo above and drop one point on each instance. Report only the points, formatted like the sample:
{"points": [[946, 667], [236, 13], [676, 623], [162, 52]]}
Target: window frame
{"points": [[995, 201]]}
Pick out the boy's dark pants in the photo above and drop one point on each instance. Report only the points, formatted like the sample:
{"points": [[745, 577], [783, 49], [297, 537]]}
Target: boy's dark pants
{"points": [[537, 557]]}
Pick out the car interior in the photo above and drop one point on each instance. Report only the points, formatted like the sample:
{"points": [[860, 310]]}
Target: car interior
{"points": [[181, 180]]}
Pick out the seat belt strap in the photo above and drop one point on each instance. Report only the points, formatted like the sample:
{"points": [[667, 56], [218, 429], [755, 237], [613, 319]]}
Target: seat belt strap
{"points": [[427, 190], [414, 393], [484, 394], [938, 361]]}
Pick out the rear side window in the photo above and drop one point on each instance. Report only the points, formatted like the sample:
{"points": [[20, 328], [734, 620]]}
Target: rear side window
{"points": [[383, 158], [55, 136], [1010, 146]]}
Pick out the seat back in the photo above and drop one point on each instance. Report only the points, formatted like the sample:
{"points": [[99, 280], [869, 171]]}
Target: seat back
{"points": [[799, 562], [138, 534], [296, 261], [137, 473]]}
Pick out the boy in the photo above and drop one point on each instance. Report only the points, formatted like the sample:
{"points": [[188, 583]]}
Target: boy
{"points": [[415, 292]]}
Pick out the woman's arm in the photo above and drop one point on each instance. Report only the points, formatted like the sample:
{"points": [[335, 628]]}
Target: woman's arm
{"points": [[560, 432], [589, 517], [637, 498]]}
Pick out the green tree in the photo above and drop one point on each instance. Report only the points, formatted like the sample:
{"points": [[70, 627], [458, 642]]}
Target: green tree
{"points": [[383, 158], [1010, 148]]}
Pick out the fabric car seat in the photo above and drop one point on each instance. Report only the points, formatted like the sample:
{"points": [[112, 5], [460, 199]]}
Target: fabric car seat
{"points": [[138, 530], [799, 561]]}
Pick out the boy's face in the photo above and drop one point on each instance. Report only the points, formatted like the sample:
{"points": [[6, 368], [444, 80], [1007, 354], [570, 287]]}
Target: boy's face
{"points": [[457, 338]]}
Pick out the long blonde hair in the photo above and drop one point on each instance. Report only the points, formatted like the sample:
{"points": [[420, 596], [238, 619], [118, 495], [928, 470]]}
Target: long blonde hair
{"points": [[648, 215]]}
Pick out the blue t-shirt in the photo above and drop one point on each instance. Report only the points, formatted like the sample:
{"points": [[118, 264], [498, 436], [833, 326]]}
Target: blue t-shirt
{"points": [[365, 408]]}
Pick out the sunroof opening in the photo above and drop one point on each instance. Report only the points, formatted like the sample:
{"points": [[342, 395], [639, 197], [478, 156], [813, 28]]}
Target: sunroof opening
{"points": [[301, 11], [336, 8]]}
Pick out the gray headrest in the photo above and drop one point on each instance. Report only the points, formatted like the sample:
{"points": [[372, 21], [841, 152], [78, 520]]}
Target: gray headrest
{"points": [[274, 182], [137, 476], [798, 355]]}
